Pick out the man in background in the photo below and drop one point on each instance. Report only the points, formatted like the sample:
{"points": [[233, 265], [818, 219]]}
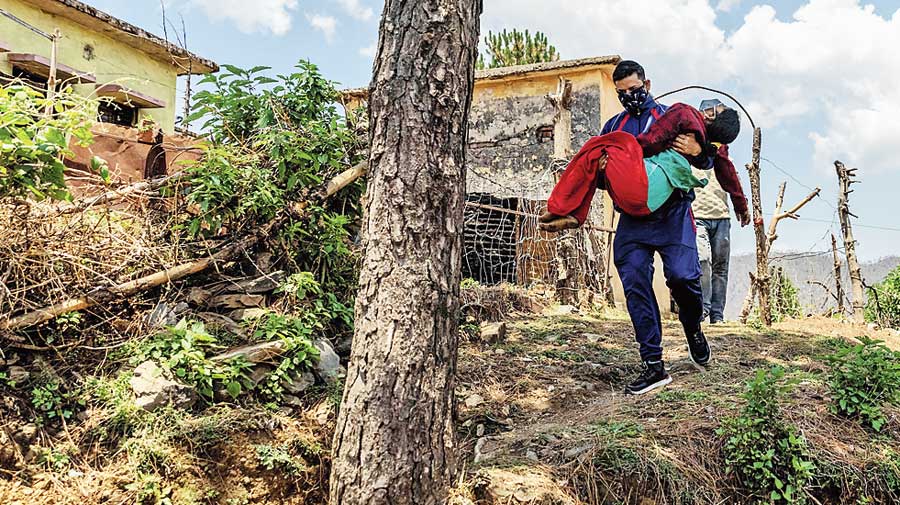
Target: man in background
{"points": [[713, 219]]}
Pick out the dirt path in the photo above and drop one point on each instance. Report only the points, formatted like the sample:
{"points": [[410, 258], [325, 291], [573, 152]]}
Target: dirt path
{"points": [[555, 427]]}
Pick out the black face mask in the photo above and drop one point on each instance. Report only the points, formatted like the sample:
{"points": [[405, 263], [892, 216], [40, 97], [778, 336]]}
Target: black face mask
{"points": [[634, 100]]}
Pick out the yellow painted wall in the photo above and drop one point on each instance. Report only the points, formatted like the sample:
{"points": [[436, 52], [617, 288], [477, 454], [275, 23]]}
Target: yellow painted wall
{"points": [[113, 61]]}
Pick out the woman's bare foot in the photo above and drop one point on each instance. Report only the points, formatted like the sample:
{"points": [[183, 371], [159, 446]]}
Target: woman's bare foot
{"points": [[559, 224], [547, 216]]}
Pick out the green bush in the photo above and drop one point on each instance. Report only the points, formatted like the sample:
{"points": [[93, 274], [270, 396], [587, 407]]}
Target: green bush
{"points": [[862, 378], [785, 301], [883, 302], [766, 454], [34, 143]]}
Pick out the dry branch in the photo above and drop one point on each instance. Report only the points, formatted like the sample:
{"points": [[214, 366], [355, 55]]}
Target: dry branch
{"points": [[126, 289], [778, 216], [762, 240], [108, 197]]}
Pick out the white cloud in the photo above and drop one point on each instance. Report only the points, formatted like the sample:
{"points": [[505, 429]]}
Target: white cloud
{"points": [[261, 15], [356, 10], [325, 24], [369, 51], [826, 70], [727, 5]]}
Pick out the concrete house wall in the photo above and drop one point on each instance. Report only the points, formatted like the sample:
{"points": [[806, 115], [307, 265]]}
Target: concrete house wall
{"points": [[94, 42]]}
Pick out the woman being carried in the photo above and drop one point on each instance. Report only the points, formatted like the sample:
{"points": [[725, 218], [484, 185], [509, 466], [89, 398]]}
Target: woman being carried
{"points": [[640, 173]]}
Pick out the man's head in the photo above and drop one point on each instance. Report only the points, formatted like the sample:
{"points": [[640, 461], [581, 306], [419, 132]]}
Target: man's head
{"points": [[722, 125], [632, 85]]}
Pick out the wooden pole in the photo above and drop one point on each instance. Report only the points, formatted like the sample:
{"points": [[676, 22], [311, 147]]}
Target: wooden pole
{"points": [[845, 176], [837, 275], [51, 79], [762, 240], [566, 279]]}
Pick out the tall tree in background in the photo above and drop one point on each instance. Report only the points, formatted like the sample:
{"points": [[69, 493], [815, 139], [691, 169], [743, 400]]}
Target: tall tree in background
{"points": [[395, 441], [507, 49]]}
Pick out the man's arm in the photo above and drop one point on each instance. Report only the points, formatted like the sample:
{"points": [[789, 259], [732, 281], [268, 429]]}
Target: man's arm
{"points": [[686, 145], [731, 183]]}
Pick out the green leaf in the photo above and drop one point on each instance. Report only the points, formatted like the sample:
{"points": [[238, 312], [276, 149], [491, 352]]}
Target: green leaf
{"points": [[234, 389]]}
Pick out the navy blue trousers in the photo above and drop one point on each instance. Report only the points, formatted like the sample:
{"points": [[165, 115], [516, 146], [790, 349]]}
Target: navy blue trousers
{"points": [[670, 232]]}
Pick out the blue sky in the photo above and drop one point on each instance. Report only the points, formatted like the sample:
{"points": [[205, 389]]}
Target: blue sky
{"points": [[820, 76]]}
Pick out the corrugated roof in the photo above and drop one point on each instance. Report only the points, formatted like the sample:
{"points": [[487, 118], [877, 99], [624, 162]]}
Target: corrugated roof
{"points": [[129, 34], [519, 70]]}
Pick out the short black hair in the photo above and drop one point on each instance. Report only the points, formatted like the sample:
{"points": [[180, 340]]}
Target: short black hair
{"points": [[725, 128], [627, 67]]}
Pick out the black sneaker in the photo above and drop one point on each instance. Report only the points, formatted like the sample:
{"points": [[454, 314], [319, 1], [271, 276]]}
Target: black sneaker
{"points": [[699, 348], [654, 376]]}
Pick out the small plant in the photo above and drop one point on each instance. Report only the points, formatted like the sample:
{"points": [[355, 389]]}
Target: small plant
{"points": [[863, 377], [767, 455], [883, 302], [34, 139], [52, 402], [57, 459], [279, 458], [182, 349], [618, 429], [784, 296], [298, 352]]}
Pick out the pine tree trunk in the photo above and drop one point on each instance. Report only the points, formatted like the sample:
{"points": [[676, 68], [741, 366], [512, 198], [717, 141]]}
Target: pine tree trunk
{"points": [[395, 440]]}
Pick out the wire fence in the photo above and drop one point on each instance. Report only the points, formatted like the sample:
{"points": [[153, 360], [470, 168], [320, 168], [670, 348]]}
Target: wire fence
{"points": [[504, 244]]}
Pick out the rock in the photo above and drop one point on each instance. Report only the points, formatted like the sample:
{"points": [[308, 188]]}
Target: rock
{"points": [[165, 315], [25, 435], [248, 314], [479, 430], [574, 452], [219, 322], [474, 400], [873, 327], [299, 383], [263, 284], [517, 486], [292, 400], [236, 301], [531, 455], [493, 333], [18, 374], [260, 373], [256, 353], [153, 389], [592, 337], [328, 368], [560, 310]]}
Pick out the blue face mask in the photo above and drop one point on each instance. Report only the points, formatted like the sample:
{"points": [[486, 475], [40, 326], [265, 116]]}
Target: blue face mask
{"points": [[634, 100]]}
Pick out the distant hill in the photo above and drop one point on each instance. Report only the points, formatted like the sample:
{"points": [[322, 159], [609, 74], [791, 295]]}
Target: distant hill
{"points": [[801, 268]]}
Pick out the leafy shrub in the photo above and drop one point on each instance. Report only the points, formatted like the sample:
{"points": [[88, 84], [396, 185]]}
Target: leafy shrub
{"points": [[34, 143], [785, 301], [185, 349], [767, 455], [883, 302], [274, 141], [862, 378]]}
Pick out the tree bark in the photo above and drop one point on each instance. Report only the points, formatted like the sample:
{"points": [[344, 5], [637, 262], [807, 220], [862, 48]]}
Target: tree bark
{"points": [[845, 176], [395, 442]]}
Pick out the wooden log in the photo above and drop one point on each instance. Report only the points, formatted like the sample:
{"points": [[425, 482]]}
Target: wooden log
{"points": [[108, 197]]}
